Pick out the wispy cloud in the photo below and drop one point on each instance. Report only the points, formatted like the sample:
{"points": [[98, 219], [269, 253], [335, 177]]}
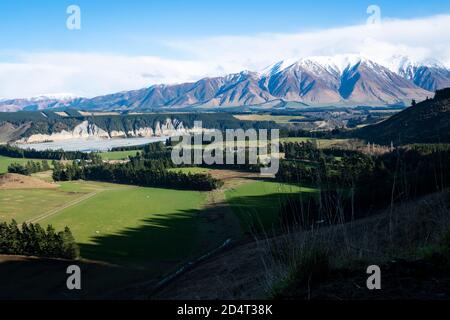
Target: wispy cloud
{"points": [[90, 74], [418, 38]]}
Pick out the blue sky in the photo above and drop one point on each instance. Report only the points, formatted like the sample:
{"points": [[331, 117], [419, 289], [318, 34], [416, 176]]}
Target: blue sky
{"points": [[126, 45], [138, 26]]}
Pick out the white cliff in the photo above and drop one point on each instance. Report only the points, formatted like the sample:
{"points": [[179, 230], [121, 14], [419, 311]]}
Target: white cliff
{"points": [[84, 130], [87, 130]]}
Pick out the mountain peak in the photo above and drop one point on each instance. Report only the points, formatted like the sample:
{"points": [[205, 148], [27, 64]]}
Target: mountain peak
{"points": [[429, 74], [336, 63], [401, 63], [55, 96]]}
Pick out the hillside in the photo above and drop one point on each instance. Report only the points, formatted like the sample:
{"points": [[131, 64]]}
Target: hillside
{"points": [[54, 126], [425, 122], [252, 269]]}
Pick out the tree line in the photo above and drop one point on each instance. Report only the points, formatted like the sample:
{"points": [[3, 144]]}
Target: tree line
{"points": [[15, 152], [356, 185], [163, 154], [33, 240], [29, 168], [146, 173]]}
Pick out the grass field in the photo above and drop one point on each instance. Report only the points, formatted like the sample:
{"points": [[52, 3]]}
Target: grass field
{"points": [[118, 155], [6, 161], [23, 205], [321, 143], [257, 203], [134, 225], [192, 170], [114, 223]]}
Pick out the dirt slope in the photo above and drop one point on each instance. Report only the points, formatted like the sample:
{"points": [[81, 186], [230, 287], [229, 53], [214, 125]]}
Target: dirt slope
{"points": [[17, 181], [244, 272]]}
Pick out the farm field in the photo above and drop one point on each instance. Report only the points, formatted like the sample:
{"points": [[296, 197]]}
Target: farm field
{"points": [[321, 143], [6, 161], [146, 227], [28, 204], [118, 155], [23, 205], [123, 225], [257, 203], [192, 170], [131, 225]]}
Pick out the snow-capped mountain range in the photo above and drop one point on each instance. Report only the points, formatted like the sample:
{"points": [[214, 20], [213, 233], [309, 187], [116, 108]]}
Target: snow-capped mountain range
{"points": [[429, 74], [40, 102], [343, 80]]}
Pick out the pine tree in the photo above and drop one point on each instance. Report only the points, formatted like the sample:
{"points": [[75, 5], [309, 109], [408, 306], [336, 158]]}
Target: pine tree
{"points": [[70, 249]]}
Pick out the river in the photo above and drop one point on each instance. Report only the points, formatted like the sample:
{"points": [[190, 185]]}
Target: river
{"points": [[91, 145]]}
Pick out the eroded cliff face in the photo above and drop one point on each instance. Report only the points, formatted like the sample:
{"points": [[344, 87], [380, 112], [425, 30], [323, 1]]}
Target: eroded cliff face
{"points": [[87, 130], [10, 132]]}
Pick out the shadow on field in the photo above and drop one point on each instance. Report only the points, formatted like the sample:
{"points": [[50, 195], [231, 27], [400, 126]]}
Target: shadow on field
{"points": [[160, 242], [262, 213], [165, 241], [142, 255], [133, 256], [42, 279]]}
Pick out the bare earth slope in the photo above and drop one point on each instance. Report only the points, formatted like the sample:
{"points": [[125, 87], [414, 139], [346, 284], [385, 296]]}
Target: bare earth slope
{"points": [[17, 181]]}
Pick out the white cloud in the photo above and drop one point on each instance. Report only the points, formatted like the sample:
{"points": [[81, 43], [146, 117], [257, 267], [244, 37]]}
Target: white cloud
{"points": [[90, 74], [418, 38]]}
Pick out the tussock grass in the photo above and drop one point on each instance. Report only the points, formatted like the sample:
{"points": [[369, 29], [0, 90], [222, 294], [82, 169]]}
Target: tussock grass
{"points": [[409, 231]]}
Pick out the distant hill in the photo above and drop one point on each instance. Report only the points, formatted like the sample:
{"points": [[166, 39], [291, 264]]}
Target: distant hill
{"points": [[425, 122], [40, 126]]}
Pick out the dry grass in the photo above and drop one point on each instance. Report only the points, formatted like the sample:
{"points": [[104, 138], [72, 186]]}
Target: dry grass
{"points": [[399, 233], [17, 181], [256, 269]]}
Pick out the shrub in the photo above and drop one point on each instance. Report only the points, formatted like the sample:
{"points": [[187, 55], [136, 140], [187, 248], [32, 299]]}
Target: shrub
{"points": [[311, 267], [446, 243]]}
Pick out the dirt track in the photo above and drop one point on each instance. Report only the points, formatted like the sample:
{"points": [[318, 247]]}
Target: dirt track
{"points": [[65, 206], [218, 223]]}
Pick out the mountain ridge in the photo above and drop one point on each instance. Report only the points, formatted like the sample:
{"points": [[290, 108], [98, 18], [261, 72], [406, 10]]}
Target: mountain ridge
{"points": [[343, 80], [424, 122]]}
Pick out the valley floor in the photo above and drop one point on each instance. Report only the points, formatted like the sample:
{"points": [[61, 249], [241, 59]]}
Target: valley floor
{"points": [[130, 228], [131, 238]]}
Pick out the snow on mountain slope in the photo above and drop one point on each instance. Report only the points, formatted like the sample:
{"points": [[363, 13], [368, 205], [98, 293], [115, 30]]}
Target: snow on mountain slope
{"points": [[347, 80], [344, 79], [55, 96], [428, 74], [41, 102]]}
